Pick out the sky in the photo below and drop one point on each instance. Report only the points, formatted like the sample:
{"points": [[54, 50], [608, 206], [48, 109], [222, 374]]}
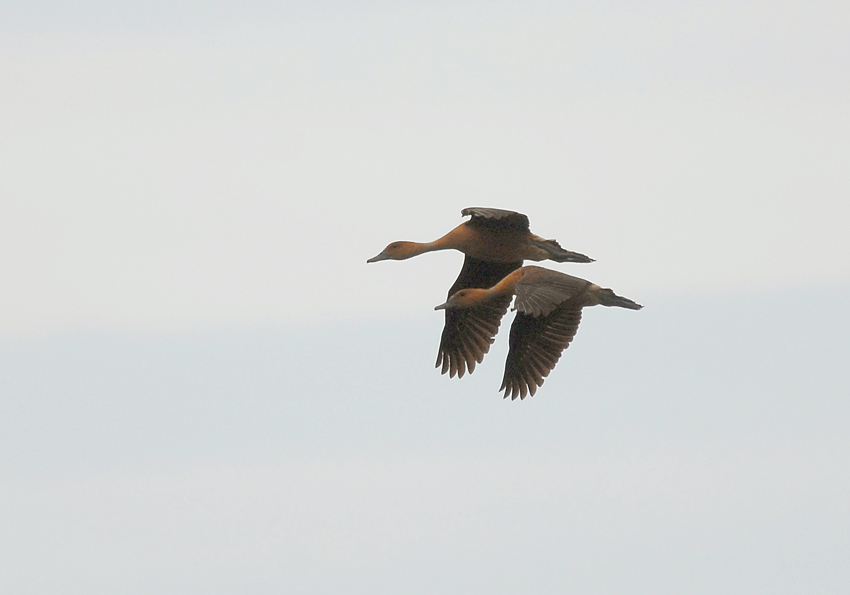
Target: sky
{"points": [[204, 388]]}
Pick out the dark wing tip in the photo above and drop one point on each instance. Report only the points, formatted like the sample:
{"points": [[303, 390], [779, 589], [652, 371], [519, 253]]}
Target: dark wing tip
{"points": [[496, 218], [489, 213], [536, 345]]}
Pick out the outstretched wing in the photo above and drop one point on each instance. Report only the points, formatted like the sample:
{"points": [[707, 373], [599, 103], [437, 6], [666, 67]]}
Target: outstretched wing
{"points": [[536, 345], [468, 332], [496, 219]]}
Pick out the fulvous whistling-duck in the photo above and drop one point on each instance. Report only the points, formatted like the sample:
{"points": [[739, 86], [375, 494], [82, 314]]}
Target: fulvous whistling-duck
{"points": [[495, 242], [491, 235], [548, 305]]}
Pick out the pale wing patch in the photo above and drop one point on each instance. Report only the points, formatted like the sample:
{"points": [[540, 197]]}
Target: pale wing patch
{"points": [[541, 290]]}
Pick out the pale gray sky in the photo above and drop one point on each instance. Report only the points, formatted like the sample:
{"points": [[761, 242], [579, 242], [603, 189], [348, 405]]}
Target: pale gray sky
{"points": [[194, 175], [204, 388]]}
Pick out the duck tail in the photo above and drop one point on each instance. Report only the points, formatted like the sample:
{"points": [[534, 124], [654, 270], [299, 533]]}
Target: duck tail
{"points": [[609, 298], [558, 254]]}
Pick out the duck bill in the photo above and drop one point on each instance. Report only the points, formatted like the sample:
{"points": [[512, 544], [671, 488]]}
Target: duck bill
{"points": [[378, 258], [442, 306]]}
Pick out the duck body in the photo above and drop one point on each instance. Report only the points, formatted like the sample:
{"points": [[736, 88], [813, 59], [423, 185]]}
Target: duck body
{"points": [[548, 305], [491, 235]]}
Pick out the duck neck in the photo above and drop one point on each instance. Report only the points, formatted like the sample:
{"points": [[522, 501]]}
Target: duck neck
{"points": [[417, 248], [451, 241], [507, 286], [444, 243]]}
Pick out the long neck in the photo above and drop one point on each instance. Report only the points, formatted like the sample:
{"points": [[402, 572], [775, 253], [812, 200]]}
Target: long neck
{"points": [[501, 293], [447, 242], [454, 240], [507, 286], [438, 244]]}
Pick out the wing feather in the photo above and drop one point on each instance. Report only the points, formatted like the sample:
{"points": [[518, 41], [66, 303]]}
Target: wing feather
{"points": [[536, 345], [468, 333], [496, 218], [542, 290]]}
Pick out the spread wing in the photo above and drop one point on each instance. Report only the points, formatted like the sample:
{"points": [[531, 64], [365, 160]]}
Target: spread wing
{"points": [[536, 345], [496, 219], [469, 332]]}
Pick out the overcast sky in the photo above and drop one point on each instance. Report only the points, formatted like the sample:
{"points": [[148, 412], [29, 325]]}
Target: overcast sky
{"points": [[189, 166], [204, 388]]}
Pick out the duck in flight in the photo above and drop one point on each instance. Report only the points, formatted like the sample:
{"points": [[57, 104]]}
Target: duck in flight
{"points": [[495, 242], [491, 235], [548, 305]]}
